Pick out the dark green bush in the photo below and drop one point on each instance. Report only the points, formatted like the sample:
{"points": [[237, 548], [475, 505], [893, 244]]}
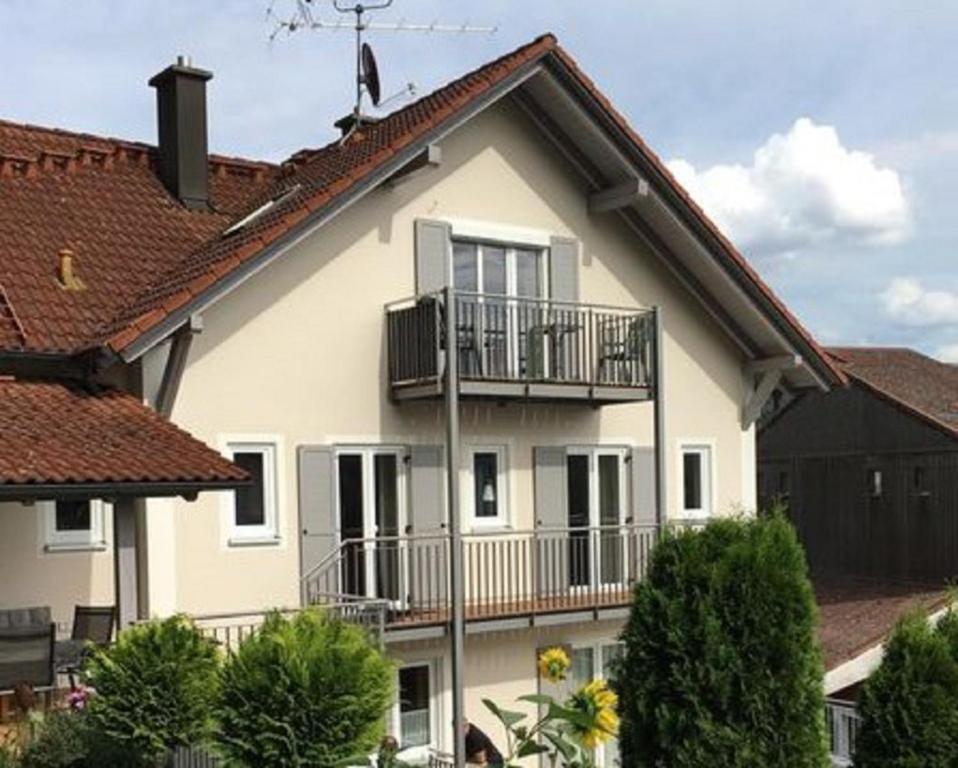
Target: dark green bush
{"points": [[156, 688], [306, 691], [909, 706], [722, 666]]}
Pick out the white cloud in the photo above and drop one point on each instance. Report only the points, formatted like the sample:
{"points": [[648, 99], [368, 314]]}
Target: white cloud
{"points": [[948, 353], [803, 188], [907, 300]]}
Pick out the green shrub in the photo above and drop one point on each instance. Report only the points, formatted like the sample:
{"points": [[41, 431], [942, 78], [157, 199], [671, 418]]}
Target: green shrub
{"points": [[61, 740], [721, 665], [305, 691], [909, 705], [156, 688]]}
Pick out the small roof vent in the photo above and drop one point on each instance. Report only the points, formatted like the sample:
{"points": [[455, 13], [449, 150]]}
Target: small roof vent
{"points": [[65, 274]]}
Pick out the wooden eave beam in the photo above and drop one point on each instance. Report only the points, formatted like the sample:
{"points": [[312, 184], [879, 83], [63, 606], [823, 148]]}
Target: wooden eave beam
{"points": [[620, 196]]}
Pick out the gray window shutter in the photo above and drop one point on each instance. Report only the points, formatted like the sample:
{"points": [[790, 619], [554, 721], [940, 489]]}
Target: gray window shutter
{"points": [[551, 487], [643, 537], [433, 240], [428, 561], [564, 269], [552, 517], [317, 517], [643, 486]]}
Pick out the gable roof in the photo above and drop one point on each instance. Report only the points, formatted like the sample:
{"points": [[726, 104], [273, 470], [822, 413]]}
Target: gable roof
{"points": [[66, 438], [921, 385], [202, 259]]}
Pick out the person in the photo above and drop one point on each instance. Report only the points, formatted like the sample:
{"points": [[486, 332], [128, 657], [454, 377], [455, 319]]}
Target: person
{"points": [[479, 748]]}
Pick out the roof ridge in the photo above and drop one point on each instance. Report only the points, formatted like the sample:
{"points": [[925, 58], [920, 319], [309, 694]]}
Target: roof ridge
{"points": [[117, 142], [412, 105]]}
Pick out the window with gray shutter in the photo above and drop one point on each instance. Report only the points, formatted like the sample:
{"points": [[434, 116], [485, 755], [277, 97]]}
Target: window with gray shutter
{"points": [[433, 243], [564, 269]]}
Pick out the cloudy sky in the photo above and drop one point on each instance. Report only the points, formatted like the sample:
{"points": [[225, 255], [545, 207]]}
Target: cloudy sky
{"points": [[822, 135]]}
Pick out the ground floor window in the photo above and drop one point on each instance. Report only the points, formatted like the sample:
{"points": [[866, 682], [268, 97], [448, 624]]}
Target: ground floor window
{"points": [[588, 663], [416, 714], [75, 524]]}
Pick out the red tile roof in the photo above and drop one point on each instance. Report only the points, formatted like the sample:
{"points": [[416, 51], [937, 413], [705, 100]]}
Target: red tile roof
{"points": [[178, 256], [57, 433], [858, 614], [919, 384], [102, 199]]}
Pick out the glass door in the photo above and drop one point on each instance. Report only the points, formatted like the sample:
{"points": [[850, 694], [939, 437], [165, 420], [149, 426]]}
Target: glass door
{"points": [[370, 491], [495, 330], [596, 507]]}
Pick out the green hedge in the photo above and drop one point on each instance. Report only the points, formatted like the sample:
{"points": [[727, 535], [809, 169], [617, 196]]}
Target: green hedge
{"points": [[722, 666], [156, 689], [909, 706], [306, 691]]}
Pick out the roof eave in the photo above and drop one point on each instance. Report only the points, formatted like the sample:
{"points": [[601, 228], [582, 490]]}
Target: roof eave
{"points": [[114, 489]]}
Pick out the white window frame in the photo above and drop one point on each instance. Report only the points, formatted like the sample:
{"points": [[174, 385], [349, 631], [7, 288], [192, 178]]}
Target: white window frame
{"points": [[502, 519], [706, 449], [267, 533], [593, 452], [92, 539], [420, 754]]}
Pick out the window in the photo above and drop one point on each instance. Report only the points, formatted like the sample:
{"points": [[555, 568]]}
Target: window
{"points": [[488, 486], [252, 512], [589, 662], [414, 707], [416, 719], [696, 480], [75, 524]]}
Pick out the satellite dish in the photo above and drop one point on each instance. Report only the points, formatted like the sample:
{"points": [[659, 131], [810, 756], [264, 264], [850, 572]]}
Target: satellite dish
{"points": [[370, 75]]}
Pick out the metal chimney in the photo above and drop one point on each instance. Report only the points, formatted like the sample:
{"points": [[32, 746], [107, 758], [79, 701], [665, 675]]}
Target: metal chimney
{"points": [[181, 124]]}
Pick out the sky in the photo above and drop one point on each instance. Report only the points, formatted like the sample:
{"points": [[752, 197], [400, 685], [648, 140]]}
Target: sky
{"points": [[821, 135]]}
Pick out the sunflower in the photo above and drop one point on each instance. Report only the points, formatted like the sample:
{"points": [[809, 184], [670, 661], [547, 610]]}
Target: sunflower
{"points": [[553, 664], [598, 703]]}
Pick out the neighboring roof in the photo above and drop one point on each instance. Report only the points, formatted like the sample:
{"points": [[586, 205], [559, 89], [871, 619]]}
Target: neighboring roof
{"points": [[313, 183], [102, 199], [70, 438], [856, 615], [920, 384]]}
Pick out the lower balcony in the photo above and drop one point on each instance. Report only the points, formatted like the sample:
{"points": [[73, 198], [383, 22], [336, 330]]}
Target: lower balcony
{"points": [[511, 580], [511, 348]]}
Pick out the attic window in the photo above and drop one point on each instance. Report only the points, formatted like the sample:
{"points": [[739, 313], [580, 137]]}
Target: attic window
{"points": [[264, 208]]}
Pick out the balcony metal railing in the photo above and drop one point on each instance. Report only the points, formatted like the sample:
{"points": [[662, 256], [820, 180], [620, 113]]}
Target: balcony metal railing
{"points": [[843, 721], [230, 629], [503, 339], [517, 573]]}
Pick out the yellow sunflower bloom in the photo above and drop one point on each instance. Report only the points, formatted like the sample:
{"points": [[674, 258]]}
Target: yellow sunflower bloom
{"points": [[598, 702], [553, 664]]}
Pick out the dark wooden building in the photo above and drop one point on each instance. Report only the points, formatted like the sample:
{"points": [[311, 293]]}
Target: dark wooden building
{"points": [[870, 472]]}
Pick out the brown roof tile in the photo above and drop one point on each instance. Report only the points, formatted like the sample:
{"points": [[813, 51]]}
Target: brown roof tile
{"points": [[858, 614], [920, 384], [56, 432], [102, 199]]}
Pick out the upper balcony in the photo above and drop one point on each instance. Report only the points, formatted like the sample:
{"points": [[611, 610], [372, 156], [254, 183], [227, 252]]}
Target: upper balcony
{"points": [[512, 348]]}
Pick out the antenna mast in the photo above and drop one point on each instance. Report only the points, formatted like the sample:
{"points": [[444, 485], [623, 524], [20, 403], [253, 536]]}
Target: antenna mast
{"points": [[367, 76]]}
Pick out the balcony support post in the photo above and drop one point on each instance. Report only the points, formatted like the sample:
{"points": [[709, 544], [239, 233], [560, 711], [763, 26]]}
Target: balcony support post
{"points": [[456, 583], [661, 484]]}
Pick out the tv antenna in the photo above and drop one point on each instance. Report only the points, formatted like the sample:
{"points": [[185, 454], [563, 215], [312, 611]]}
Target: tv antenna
{"points": [[367, 69]]}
